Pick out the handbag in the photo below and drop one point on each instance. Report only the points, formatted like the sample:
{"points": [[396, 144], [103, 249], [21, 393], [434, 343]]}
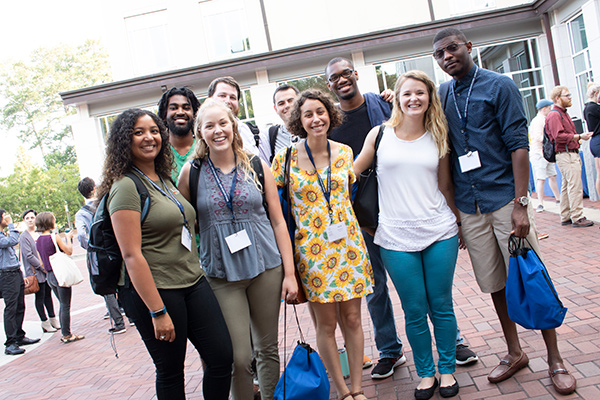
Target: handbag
{"points": [[286, 206], [304, 376], [366, 201], [31, 284], [531, 298], [65, 270]]}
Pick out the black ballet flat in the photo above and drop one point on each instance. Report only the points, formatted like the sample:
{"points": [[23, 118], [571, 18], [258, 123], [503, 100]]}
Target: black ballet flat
{"points": [[426, 394]]}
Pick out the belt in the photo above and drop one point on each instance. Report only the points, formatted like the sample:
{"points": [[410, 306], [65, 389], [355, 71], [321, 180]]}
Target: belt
{"points": [[568, 151], [9, 270]]}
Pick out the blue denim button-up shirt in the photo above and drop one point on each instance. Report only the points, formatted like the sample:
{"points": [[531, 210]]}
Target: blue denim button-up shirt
{"points": [[496, 126], [8, 258]]}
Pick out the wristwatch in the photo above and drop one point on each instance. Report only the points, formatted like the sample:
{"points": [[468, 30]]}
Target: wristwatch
{"points": [[523, 200]]}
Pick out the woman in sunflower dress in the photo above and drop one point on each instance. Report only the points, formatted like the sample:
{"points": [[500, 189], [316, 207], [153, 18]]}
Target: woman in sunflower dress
{"points": [[330, 253]]}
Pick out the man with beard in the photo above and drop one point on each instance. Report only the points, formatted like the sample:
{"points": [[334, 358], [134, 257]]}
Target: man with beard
{"points": [[362, 113], [177, 108], [227, 90]]}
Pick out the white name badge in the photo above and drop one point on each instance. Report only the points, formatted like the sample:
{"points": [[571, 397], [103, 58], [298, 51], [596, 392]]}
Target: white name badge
{"points": [[238, 241], [469, 161], [336, 232], [186, 238]]}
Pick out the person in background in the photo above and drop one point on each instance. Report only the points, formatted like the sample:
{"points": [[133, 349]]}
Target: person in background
{"points": [[249, 278], [12, 288], [169, 297], [591, 113], [330, 252], [33, 267], [561, 129], [542, 169], [419, 239], [177, 108], [83, 222], [46, 245], [279, 136]]}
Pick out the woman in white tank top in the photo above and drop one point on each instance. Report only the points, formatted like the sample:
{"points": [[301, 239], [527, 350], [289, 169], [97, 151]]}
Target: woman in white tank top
{"points": [[418, 231]]}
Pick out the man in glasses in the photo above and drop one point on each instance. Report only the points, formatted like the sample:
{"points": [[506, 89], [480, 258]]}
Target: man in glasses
{"points": [[490, 169], [561, 129]]}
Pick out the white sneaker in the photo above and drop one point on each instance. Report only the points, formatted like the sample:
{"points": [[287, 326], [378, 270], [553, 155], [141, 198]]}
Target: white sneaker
{"points": [[539, 208]]}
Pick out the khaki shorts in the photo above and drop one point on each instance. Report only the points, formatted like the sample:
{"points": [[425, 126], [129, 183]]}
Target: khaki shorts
{"points": [[486, 237]]}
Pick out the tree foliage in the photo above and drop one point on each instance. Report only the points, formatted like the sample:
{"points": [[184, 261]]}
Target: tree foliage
{"points": [[41, 189], [33, 107]]}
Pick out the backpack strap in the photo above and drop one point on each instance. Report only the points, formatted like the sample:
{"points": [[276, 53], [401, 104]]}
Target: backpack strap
{"points": [[273, 132], [256, 132], [89, 208], [257, 166], [195, 166], [552, 138], [144, 195]]}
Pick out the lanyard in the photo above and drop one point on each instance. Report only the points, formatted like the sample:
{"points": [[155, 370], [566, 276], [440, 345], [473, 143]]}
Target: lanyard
{"points": [[326, 193], [168, 194], [227, 196], [460, 117]]}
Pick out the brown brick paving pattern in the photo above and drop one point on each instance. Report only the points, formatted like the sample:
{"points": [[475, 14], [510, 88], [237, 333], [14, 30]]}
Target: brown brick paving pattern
{"points": [[89, 370]]}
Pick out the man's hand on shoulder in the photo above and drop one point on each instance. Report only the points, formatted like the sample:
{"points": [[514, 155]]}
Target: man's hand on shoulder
{"points": [[388, 95]]}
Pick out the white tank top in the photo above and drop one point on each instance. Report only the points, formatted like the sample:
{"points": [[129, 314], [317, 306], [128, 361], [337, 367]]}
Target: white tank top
{"points": [[413, 213]]}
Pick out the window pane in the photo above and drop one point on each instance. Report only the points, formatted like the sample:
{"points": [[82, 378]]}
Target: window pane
{"points": [[578, 34], [315, 82], [529, 101], [528, 79], [579, 63]]}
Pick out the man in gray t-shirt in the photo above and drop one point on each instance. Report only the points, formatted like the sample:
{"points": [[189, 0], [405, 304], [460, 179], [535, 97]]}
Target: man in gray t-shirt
{"points": [[279, 136]]}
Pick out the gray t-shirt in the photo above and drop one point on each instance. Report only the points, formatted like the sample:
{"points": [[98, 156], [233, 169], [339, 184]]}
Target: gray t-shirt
{"points": [[215, 223]]}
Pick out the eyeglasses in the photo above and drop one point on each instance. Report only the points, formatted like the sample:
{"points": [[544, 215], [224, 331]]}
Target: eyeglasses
{"points": [[568, 96], [347, 73], [451, 48]]}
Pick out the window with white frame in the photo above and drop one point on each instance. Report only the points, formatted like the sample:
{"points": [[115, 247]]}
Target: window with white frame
{"points": [[226, 28], [580, 53], [148, 40]]}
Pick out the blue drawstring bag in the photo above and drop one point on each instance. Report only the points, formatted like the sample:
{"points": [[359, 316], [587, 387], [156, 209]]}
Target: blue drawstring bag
{"points": [[531, 298], [304, 377]]}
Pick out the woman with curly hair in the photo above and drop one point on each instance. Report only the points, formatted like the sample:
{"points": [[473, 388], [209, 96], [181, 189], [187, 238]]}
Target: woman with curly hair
{"points": [[417, 232], [170, 299], [330, 251], [248, 277]]}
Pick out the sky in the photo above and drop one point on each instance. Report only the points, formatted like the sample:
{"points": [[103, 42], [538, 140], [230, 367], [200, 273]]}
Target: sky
{"points": [[30, 24]]}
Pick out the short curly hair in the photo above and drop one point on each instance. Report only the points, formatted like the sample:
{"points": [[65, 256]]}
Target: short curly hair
{"points": [[336, 116], [119, 160]]}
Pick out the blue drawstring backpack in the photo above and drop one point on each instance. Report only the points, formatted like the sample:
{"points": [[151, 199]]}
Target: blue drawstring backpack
{"points": [[531, 298], [304, 377]]}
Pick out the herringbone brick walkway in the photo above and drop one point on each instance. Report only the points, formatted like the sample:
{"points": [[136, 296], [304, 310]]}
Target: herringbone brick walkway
{"points": [[89, 370]]}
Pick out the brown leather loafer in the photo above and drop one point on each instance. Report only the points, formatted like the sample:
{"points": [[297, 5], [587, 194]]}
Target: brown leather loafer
{"points": [[506, 369], [562, 380], [582, 222]]}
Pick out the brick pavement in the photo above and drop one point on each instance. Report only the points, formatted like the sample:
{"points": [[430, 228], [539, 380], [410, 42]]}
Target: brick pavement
{"points": [[89, 370]]}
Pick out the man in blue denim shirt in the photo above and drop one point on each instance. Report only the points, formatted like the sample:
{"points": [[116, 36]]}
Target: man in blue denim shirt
{"points": [[490, 162], [12, 288]]}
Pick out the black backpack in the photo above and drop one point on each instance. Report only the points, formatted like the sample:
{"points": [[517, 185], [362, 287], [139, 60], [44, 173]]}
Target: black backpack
{"points": [[195, 175], [548, 148], [255, 132], [273, 132], [104, 259]]}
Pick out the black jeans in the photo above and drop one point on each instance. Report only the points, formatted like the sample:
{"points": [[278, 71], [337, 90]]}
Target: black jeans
{"points": [[13, 291], [64, 298], [196, 316], [43, 298]]}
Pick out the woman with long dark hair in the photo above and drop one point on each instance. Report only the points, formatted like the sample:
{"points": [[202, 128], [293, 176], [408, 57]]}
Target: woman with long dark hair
{"points": [[169, 297]]}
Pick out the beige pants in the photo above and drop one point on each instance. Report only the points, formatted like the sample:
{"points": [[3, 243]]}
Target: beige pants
{"points": [[571, 191]]}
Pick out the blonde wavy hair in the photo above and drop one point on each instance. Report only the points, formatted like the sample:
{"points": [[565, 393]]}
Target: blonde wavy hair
{"points": [[435, 119], [237, 146]]}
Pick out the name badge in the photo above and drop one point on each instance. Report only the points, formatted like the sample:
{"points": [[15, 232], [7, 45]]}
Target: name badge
{"points": [[238, 241], [469, 161], [186, 238], [336, 232]]}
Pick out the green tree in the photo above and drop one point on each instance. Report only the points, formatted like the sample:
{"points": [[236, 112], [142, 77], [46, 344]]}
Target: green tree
{"points": [[33, 107]]}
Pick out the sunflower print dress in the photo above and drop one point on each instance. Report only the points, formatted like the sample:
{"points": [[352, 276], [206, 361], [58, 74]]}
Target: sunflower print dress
{"points": [[330, 271]]}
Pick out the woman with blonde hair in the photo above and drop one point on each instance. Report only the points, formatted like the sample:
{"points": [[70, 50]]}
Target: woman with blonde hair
{"points": [[246, 252], [418, 231], [591, 113]]}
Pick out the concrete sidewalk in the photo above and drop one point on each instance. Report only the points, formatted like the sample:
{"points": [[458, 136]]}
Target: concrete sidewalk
{"points": [[89, 370]]}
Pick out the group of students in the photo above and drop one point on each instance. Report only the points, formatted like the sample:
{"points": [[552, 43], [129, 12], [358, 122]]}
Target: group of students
{"points": [[223, 293]]}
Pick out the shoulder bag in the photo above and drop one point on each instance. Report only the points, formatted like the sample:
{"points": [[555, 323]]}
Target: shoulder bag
{"points": [[65, 270], [366, 201]]}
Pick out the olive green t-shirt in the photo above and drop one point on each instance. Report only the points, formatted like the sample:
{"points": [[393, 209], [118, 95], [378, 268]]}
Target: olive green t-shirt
{"points": [[172, 265]]}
